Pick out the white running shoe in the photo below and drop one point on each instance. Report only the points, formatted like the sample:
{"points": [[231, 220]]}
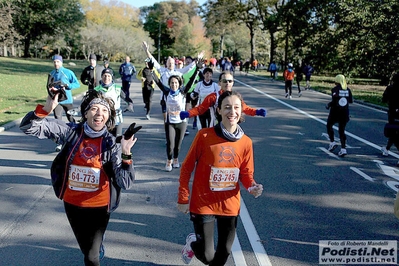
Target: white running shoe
{"points": [[187, 254], [299, 94], [176, 163], [290, 97], [168, 166], [384, 151], [130, 107], [332, 146], [342, 153], [286, 95], [58, 148]]}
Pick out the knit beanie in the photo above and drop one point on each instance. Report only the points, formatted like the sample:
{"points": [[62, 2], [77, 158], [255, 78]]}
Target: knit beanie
{"points": [[57, 57], [93, 56]]}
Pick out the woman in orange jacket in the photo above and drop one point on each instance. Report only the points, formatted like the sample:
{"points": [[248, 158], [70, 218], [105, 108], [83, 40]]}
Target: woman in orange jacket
{"points": [[222, 157]]}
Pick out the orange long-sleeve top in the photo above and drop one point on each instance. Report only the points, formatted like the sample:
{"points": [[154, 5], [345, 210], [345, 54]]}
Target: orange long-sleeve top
{"points": [[211, 154], [210, 101], [289, 75]]}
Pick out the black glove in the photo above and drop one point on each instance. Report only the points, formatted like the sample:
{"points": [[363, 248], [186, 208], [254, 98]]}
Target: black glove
{"points": [[129, 132], [328, 106]]}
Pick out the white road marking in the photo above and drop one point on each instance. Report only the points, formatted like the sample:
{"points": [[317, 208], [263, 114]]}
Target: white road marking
{"points": [[257, 246], [317, 119], [236, 253], [329, 153], [362, 174]]}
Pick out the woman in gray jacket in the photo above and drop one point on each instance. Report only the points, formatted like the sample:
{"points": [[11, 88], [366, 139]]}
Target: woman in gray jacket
{"points": [[90, 170]]}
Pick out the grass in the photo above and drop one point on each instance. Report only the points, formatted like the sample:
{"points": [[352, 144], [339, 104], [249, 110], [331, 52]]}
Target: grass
{"points": [[23, 85]]}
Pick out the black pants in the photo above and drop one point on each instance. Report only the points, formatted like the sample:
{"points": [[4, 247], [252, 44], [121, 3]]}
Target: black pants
{"points": [[147, 98], [204, 226], [88, 225], [126, 90], [174, 138], [63, 107], [288, 87], [341, 130], [205, 119]]}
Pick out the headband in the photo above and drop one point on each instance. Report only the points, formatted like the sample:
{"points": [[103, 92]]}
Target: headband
{"points": [[98, 101]]}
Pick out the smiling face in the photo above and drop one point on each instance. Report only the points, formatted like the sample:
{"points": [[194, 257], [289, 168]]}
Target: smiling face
{"points": [[226, 82], [170, 63], [230, 112], [208, 76], [174, 84], [97, 116], [106, 78]]}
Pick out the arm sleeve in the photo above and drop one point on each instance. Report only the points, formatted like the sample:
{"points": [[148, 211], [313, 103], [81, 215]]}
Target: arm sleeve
{"points": [[247, 166], [248, 110], [124, 173], [187, 168], [73, 81]]}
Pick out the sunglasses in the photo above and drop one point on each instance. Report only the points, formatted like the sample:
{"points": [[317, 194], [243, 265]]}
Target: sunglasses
{"points": [[227, 80]]}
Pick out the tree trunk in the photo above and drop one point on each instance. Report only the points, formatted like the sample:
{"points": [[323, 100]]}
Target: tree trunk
{"points": [[26, 46], [221, 46], [252, 36], [272, 46]]}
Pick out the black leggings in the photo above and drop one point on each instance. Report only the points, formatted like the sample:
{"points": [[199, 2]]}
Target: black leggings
{"points": [[203, 248], [88, 225], [147, 98], [66, 107], [341, 130], [205, 119], [174, 138], [126, 90]]}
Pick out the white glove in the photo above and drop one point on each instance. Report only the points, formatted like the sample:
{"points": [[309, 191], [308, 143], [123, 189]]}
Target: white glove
{"points": [[256, 190], [184, 208]]}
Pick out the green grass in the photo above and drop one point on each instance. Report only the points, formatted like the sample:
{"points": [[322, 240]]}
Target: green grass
{"points": [[23, 84]]}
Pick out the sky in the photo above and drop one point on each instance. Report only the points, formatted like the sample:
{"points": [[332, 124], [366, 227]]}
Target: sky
{"points": [[140, 3]]}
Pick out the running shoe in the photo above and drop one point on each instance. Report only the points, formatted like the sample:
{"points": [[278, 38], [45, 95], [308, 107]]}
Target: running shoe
{"points": [[168, 166], [332, 146], [384, 151], [176, 163], [342, 153], [187, 254]]}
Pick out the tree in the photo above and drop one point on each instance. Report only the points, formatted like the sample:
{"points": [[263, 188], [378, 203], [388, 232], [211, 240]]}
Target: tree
{"points": [[184, 28], [37, 18], [8, 34], [112, 30]]}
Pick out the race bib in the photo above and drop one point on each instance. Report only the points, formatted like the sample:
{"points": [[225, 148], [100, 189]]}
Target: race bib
{"points": [[223, 179], [174, 109], [83, 178], [342, 102]]}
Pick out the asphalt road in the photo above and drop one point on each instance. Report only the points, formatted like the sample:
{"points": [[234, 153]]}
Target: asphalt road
{"points": [[310, 194]]}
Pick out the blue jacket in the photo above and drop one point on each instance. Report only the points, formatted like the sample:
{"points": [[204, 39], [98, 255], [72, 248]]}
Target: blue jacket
{"points": [[127, 70], [121, 175], [67, 77]]}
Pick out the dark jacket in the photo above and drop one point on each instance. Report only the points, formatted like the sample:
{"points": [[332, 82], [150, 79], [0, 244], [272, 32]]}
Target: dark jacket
{"points": [[121, 175], [339, 105], [91, 76], [391, 97]]}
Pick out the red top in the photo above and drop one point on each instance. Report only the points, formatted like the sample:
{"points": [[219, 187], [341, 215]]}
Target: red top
{"points": [[218, 164], [88, 184]]}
